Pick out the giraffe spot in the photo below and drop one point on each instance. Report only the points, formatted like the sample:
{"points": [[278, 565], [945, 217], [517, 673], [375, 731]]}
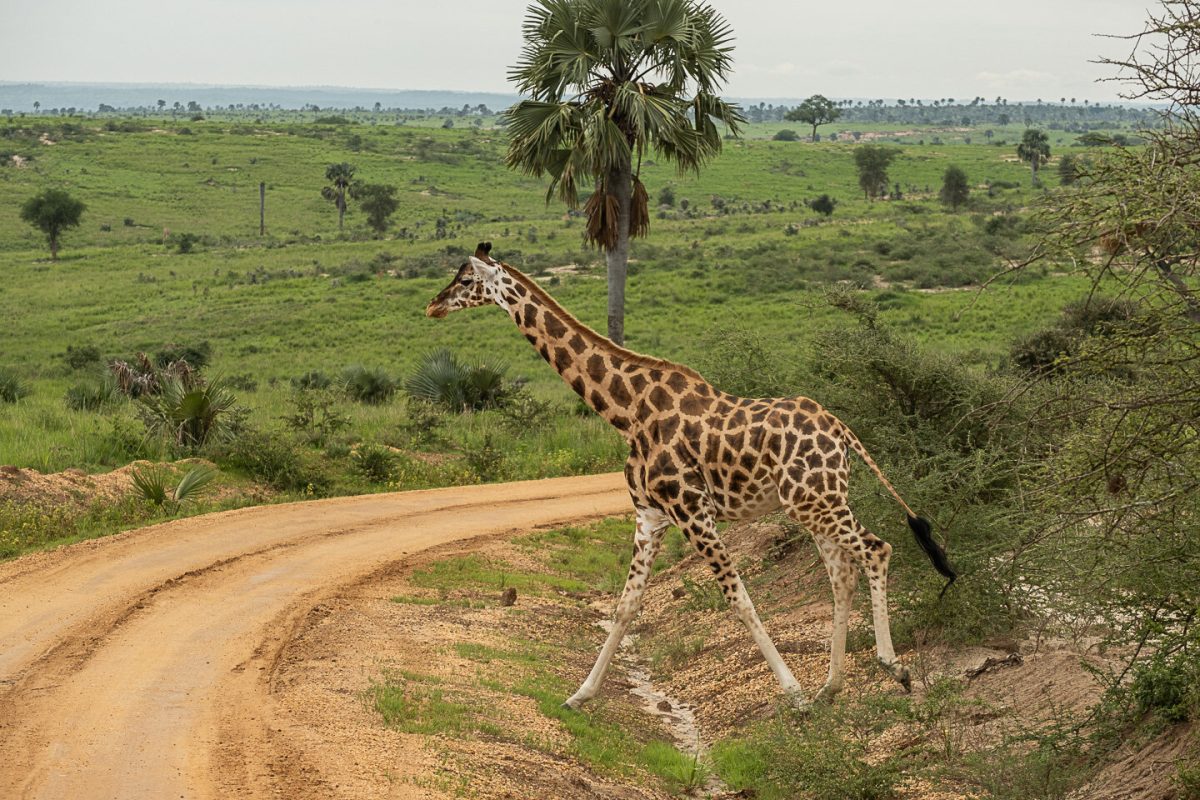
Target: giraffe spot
{"points": [[691, 404], [711, 447], [825, 422], [758, 416], [736, 440], [531, 315], [669, 489], [661, 399], [825, 444], [727, 457], [554, 325], [577, 344], [638, 382], [616, 363], [809, 405], [577, 385], [532, 339], [598, 402], [723, 408], [664, 465], [702, 389], [815, 461], [789, 444], [656, 375], [595, 368], [667, 429], [691, 431], [545, 351], [521, 290], [619, 422], [677, 382], [619, 391], [737, 482], [643, 409], [748, 460], [738, 419], [806, 426], [562, 358]]}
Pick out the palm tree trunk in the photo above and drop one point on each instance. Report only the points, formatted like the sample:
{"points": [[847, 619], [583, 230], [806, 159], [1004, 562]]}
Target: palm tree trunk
{"points": [[620, 185], [54, 248], [341, 206]]}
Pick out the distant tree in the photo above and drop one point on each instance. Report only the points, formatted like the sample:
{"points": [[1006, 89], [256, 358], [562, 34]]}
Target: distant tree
{"points": [[955, 188], [161, 105], [1035, 150], [872, 162], [1068, 170], [816, 110], [448, 123], [193, 107], [378, 201], [823, 205], [52, 212], [340, 177], [36, 105], [378, 106], [608, 82], [1095, 139], [786, 135]]}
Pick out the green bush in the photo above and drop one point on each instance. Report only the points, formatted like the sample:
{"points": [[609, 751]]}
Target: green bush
{"points": [[443, 379], [12, 388], [314, 379], [485, 460], [370, 386], [745, 363], [82, 357], [314, 414], [277, 460], [92, 395], [374, 462], [196, 355]]}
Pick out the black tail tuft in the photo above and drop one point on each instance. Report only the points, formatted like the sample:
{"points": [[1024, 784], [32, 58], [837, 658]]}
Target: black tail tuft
{"points": [[923, 532]]}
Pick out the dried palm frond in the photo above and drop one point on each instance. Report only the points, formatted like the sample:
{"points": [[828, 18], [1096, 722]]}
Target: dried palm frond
{"points": [[602, 214]]}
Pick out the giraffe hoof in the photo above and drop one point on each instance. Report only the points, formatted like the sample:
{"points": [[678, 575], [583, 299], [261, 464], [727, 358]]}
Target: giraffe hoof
{"points": [[826, 694], [899, 672]]}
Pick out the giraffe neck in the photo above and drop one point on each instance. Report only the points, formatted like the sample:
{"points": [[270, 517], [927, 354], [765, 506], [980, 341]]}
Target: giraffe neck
{"points": [[611, 380]]}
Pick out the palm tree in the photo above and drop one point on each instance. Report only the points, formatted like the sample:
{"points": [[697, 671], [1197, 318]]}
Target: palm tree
{"points": [[607, 80], [1034, 148], [340, 176]]}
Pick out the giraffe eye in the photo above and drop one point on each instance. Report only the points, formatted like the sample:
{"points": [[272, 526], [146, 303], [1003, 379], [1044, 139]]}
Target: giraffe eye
{"points": [[467, 281]]}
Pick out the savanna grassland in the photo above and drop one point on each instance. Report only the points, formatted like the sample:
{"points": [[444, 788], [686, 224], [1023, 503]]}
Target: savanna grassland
{"points": [[878, 310]]}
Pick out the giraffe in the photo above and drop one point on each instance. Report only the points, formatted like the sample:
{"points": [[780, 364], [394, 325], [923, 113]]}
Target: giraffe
{"points": [[698, 456]]}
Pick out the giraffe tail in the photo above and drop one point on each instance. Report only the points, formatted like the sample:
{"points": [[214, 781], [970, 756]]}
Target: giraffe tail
{"points": [[921, 528]]}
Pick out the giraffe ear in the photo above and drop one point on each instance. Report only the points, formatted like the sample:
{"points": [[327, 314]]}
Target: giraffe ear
{"points": [[483, 269]]}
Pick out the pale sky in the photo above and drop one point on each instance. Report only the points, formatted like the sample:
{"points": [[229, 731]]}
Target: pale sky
{"points": [[1020, 49]]}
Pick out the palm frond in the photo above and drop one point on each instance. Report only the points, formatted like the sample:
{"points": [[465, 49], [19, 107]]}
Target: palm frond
{"points": [[194, 484]]}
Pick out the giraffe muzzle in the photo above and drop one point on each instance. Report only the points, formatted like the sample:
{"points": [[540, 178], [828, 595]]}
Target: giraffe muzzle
{"points": [[436, 310]]}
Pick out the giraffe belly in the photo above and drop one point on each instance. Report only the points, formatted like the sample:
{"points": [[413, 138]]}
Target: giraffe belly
{"points": [[754, 501]]}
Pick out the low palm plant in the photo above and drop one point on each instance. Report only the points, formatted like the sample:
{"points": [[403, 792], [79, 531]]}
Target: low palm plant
{"points": [[443, 379], [153, 484], [189, 416], [12, 388]]}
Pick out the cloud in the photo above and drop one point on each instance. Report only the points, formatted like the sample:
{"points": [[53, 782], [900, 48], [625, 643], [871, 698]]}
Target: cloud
{"points": [[1018, 81]]}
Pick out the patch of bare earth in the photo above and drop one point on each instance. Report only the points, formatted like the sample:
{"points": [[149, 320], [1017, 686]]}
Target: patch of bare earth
{"points": [[684, 649], [362, 637]]}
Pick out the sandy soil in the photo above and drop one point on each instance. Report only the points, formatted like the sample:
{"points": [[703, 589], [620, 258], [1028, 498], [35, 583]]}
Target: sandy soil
{"points": [[145, 665]]}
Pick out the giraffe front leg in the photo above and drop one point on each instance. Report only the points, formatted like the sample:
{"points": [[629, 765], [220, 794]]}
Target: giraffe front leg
{"points": [[701, 531], [651, 525]]}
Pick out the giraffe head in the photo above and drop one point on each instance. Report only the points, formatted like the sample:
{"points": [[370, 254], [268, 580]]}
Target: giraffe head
{"points": [[477, 283]]}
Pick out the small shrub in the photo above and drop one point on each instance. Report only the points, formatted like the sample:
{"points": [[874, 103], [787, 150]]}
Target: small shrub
{"points": [[374, 462], [92, 395], [277, 460], [314, 414], [525, 414], [786, 135], [12, 388], [82, 357], [196, 355], [153, 484], [314, 379], [484, 460], [190, 416], [423, 422], [370, 386], [186, 242], [243, 382], [823, 204], [744, 363]]}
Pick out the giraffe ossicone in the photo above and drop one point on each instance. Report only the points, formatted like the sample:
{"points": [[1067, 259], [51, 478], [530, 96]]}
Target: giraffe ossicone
{"points": [[697, 456]]}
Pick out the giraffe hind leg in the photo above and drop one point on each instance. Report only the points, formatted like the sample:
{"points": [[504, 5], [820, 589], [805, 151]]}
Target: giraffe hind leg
{"points": [[651, 525]]}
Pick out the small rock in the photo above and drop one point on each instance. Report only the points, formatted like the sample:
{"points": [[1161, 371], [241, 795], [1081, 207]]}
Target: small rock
{"points": [[509, 597], [664, 705], [678, 592]]}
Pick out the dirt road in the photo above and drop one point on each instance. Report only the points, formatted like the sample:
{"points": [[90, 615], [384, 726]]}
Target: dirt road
{"points": [[137, 666]]}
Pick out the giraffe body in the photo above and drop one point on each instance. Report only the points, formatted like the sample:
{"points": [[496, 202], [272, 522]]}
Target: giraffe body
{"points": [[698, 456]]}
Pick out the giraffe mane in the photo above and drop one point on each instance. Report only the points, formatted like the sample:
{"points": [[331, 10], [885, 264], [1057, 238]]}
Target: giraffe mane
{"points": [[591, 336]]}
